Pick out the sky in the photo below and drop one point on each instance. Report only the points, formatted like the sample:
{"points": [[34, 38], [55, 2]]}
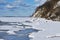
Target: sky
{"points": [[19, 7]]}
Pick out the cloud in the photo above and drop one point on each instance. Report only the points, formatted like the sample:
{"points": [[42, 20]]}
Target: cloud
{"points": [[9, 6], [40, 2], [37, 0]]}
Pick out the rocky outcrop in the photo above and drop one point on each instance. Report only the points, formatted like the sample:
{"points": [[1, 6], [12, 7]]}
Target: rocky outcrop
{"points": [[49, 10]]}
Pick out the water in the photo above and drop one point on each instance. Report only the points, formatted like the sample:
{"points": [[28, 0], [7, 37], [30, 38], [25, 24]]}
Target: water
{"points": [[25, 28]]}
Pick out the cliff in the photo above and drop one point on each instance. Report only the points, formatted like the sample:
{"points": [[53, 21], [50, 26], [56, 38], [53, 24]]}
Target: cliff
{"points": [[49, 10]]}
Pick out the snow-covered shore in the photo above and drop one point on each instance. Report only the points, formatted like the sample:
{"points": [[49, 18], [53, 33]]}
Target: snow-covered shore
{"points": [[40, 29]]}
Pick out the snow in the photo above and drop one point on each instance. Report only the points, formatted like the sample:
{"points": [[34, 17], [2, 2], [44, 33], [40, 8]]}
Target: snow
{"points": [[34, 28]]}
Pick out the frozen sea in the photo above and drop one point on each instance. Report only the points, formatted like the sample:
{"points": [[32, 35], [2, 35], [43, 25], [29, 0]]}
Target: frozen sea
{"points": [[27, 28]]}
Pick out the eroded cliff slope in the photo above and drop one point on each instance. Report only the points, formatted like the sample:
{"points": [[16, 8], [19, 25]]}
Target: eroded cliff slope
{"points": [[49, 10]]}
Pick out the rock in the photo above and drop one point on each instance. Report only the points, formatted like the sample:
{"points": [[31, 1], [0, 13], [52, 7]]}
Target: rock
{"points": [[49, 10]]}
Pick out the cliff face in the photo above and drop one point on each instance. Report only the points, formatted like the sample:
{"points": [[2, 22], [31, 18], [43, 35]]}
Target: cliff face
{"points": [[49, 10]]}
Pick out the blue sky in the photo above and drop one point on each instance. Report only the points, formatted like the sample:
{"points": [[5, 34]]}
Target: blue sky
{"points": [[19, 7]]}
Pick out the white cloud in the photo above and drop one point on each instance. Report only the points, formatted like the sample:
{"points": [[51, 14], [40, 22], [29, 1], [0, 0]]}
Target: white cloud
{"points": [[40, 2], [14, 4], [9, 6], [37, 0]]}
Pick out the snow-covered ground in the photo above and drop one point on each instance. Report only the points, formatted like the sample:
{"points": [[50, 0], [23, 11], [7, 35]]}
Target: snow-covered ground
{"points": [[25, 28]]}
